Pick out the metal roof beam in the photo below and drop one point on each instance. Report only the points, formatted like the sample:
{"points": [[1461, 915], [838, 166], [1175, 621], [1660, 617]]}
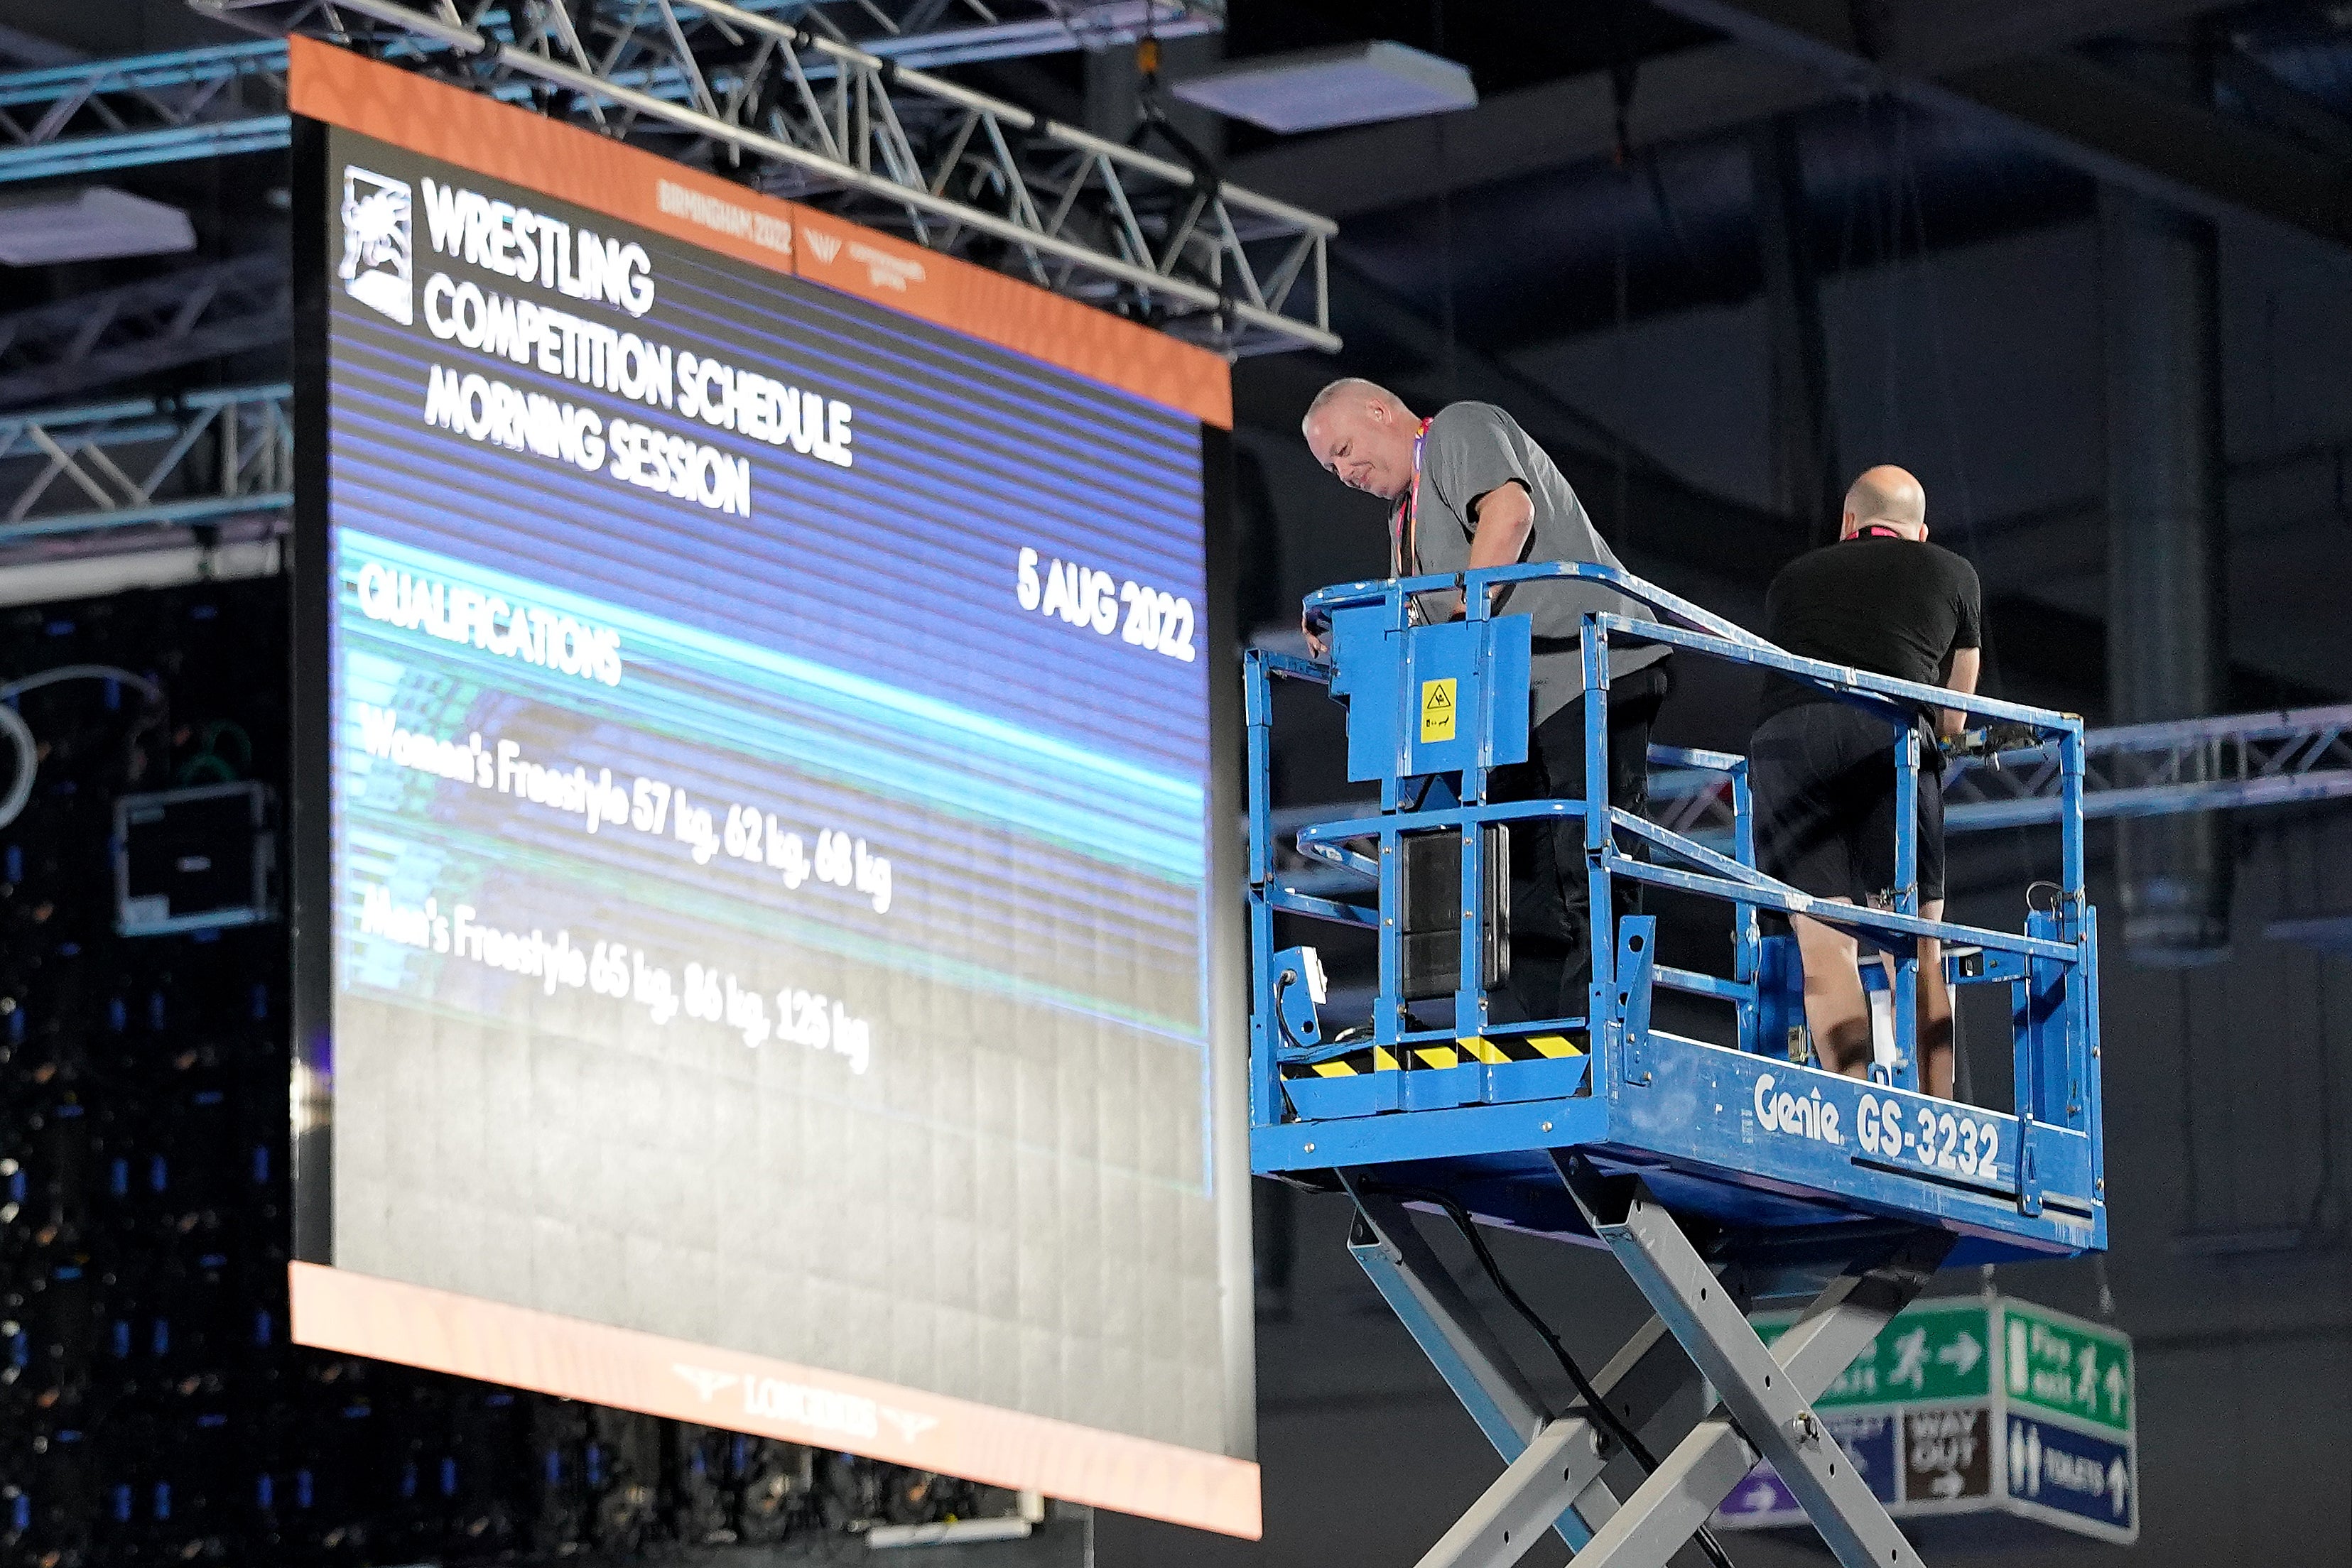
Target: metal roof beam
{"points": [[2071, 109], [195, 313], [1693, 92], [815, 120], [92, 115], [192, 459]]}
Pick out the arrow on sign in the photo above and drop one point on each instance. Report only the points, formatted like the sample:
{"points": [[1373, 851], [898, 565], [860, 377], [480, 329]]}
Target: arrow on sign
{"points": [[2118, 1479], [1946, 1485], [1963, 1354]]}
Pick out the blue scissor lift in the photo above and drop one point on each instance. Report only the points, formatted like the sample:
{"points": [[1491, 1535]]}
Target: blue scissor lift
{"points": [[1718, 1174]]}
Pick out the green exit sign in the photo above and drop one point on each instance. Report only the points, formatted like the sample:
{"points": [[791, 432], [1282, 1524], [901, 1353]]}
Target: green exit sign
{"points": [[1936, 1349], [2066, 1366], [1955, 1348]]}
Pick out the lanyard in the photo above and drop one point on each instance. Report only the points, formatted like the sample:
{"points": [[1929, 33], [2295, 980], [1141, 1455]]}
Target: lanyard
{"points": [[1404, 523]]}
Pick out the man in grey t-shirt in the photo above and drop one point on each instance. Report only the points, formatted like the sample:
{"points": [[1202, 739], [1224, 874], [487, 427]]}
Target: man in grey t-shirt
{"points": [[1471, 489]]}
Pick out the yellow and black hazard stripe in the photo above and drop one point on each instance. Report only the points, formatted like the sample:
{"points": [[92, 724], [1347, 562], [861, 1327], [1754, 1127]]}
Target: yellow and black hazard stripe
{"points": [[1476, 1047]]}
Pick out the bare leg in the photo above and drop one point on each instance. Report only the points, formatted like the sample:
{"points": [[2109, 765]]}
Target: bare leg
{"points": [[1835, 1010], [1935, 1011]]}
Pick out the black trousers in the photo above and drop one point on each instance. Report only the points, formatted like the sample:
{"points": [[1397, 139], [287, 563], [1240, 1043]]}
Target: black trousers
{"points": [[1551, 925]]}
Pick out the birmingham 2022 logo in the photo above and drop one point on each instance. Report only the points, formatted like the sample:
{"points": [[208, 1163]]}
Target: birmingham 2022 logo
{"points": [[379, 244]]}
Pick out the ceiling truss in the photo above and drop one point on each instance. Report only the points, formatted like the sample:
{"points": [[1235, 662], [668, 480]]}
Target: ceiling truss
{"points": [[93, 115], [193, 314], [203, 457], [787, 105]]}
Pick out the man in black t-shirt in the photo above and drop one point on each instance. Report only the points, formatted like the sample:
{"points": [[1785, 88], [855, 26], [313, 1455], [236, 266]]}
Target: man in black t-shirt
{"points": [[1883, 599]]}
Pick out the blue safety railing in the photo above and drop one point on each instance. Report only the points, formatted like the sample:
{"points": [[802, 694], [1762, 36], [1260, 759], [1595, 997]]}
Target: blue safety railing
{"points": [[1434, 785]]}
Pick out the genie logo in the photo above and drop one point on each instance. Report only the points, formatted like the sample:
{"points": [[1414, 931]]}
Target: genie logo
{"points": [[378, 267], [1809, 1117]]}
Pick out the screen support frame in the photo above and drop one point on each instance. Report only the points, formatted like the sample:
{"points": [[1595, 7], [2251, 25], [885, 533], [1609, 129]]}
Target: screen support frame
{"points": [[1226, 934], [310, 802]]}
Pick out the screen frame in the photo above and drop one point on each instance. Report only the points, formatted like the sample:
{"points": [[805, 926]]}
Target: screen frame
{"points": [[314, 603], [309, 817]]}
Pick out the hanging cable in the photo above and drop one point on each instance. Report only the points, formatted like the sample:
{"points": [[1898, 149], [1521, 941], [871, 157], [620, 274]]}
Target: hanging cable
{"points": [[1597, 1406], [20, 735]]}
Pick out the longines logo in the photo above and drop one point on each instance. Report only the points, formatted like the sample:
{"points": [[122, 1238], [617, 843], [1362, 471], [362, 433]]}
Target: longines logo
{"points": [[705, 1381], [379, 248], [827, 245], [805, 1406], [910, 1426]]}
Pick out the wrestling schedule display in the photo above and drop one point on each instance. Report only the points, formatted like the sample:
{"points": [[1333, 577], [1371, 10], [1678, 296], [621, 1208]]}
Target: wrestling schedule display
{"points": [[766, 884]]}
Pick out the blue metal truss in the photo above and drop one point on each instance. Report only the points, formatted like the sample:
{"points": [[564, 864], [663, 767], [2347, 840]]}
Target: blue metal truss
{"points": [[152, 108], [2226, 762], [2213, 764], [197, 458], [815, 100], [216, 101]]}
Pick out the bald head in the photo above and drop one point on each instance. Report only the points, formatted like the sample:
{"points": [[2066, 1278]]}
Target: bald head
{"points": [[1890, 497], [1362, 433]]}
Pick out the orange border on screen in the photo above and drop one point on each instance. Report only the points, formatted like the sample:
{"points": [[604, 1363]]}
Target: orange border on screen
{"points": [[360, 1315], [643, 188]]}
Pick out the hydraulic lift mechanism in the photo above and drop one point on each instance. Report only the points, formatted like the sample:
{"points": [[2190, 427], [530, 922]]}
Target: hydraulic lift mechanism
{"points": [[1722, 1173]]}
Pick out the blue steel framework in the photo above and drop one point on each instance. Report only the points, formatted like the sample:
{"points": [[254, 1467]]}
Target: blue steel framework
{"points": [[220, 100], [176, 104], [201, 457], [1717, 1175], [771, 90]]}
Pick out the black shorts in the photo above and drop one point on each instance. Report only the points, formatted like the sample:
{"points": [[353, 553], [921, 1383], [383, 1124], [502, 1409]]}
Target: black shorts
{"points": [[1823, 779]]}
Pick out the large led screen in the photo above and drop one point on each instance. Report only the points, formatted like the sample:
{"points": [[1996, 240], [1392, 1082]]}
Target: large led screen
{"points": [[760, 926]]}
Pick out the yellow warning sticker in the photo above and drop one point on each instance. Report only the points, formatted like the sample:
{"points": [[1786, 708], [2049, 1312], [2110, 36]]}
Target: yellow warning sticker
{"points": [[1436, 711]]}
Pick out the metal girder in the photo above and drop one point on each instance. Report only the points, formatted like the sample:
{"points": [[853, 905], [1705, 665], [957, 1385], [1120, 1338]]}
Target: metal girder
{"points": [[2136, 770], [924, 34], [2071, 108], [1692, 93], [195, 313], [205, 455], [803, 115], [92, 115], [2160, 769], [2251, 79]]}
